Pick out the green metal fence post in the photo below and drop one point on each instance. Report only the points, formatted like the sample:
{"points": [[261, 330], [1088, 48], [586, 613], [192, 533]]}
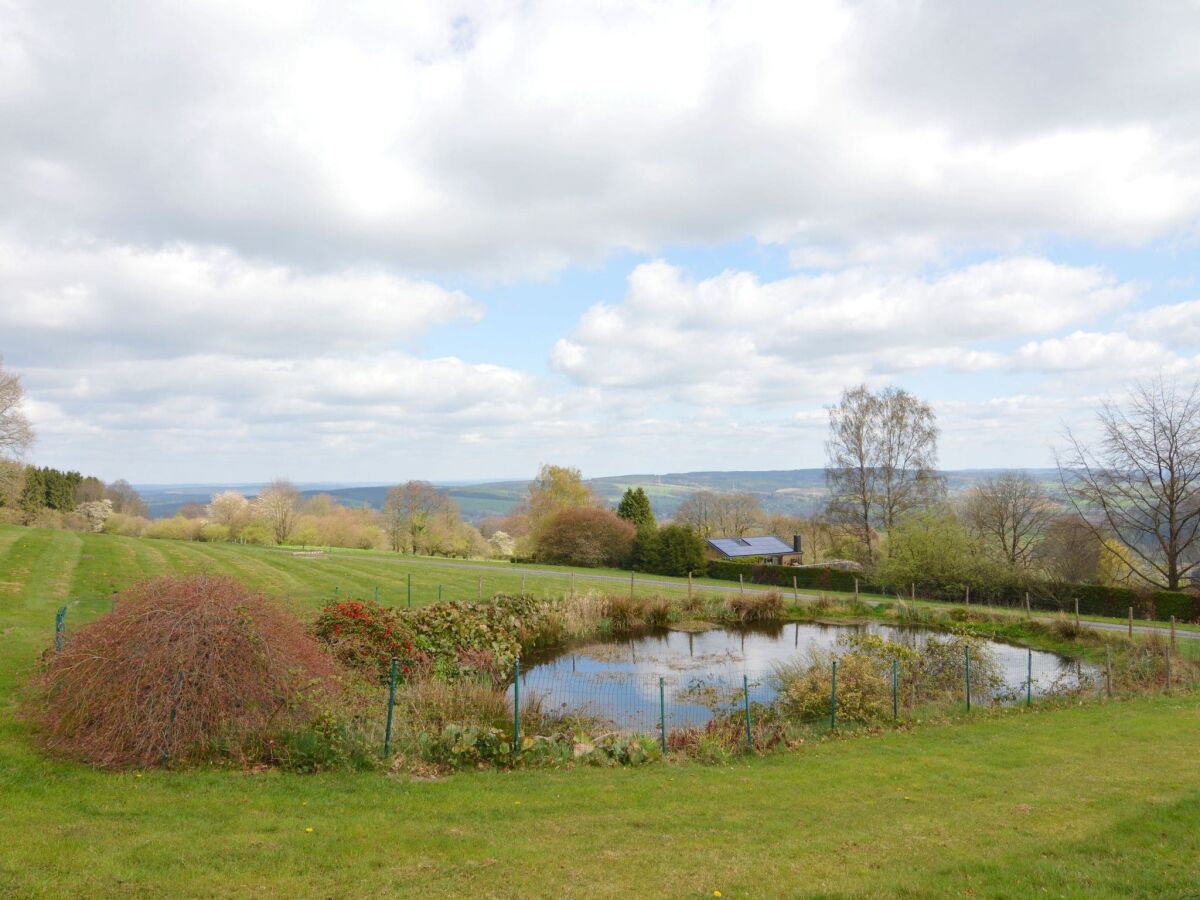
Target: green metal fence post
{"points": [[516, 707], [895, 688], [60, 628], [387, 733], [662, 715], [746, 699], [439, 592], [376, 593], [410, 590], [967, 651], [833, 699], [1029, 678]]}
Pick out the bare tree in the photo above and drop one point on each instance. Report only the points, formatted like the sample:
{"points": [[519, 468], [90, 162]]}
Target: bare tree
{"points": [[736, 514], [125, 499], [1070, 551], [709, 513], [907, 454], [278, 505], [697, 510], [850, 471], [1009, 512], [881, 460], [414, 513], [16, 434], [1140, 482]]}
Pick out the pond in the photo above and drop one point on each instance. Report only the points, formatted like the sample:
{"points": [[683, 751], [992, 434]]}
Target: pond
{"points": [[624, 680]]}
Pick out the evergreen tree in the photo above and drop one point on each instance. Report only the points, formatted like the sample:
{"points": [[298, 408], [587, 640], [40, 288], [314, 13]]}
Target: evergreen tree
{"points": [[679, 550], [635, 507], [33, 496]]}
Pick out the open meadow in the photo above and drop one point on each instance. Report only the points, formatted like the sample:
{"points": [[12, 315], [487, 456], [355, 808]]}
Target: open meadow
{"points": [[1099, 799]]}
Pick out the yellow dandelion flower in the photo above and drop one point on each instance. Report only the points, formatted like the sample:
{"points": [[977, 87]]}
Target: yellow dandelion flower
{"points": [[716, 893], [308, 830]]}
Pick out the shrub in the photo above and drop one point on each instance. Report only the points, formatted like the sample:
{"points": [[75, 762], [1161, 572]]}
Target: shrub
{"points": [[126, 525], [258, 533], [366, 636], [670, 550], [213, 532], [177, 529], [181, 668], [586, 537]]}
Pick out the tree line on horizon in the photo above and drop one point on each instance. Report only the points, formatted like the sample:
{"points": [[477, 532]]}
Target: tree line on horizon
{"points": [[1129, 511]]}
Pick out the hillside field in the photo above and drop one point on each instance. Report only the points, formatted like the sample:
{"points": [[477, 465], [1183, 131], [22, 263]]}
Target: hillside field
{"points": [[1100, 799]]}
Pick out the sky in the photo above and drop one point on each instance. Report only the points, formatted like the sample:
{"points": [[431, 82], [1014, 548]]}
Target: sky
{"points": [[369, 242]]}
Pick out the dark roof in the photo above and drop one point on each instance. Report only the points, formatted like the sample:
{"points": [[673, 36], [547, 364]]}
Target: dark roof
{"points": [[750, 546]]}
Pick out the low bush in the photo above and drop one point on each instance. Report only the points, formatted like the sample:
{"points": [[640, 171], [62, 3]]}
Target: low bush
{"points": [[182, 668]]}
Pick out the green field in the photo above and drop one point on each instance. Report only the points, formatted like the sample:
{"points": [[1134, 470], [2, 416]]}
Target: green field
{"points": [[1101, 799]]}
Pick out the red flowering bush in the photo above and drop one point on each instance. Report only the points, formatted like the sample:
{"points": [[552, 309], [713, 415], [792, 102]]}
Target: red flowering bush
{"points": [[365, 636]]}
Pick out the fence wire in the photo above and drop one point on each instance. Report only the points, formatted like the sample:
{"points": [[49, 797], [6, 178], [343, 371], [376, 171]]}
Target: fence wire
{"points": [[619, 696]]}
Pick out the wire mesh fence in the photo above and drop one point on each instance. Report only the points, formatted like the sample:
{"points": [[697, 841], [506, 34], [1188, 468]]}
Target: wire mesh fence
{"points": [[831, 692]]}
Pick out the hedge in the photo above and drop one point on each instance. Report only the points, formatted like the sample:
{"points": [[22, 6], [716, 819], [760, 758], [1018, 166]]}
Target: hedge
{"points": [[1094, 599]]}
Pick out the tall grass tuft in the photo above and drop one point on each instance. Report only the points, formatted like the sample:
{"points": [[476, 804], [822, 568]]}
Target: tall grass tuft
{"points": [[755, 607]]}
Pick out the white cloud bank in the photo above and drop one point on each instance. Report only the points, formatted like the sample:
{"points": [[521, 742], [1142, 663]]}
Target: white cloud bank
{"points": [[523, 136], [735, 338], [226, 228]]}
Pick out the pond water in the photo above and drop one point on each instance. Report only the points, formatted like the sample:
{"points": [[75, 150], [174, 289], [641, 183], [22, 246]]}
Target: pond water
{"points": [[625, 680]]}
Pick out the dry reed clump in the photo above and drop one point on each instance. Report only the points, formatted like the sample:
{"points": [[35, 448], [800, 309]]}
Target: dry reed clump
{"points": [[625, 613], [181, 667], [1066, 629], [755, 607]]}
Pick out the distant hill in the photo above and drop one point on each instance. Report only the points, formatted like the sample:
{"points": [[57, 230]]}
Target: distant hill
{"points": [[783, 491]]}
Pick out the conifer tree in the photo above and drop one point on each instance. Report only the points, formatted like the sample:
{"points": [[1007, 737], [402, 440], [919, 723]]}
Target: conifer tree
{"points": [[635, 507]]}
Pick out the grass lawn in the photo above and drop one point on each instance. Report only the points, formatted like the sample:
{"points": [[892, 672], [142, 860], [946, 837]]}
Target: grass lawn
{"points": [[1095, 800]]}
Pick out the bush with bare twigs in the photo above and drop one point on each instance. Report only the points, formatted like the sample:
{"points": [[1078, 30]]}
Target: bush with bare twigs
{"points": [[183, 668]]}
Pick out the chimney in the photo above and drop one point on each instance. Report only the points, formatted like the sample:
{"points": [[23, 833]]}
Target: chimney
{"points": [[797, 545]]}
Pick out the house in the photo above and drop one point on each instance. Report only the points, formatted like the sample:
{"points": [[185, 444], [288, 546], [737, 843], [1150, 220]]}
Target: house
{"points": [[771, 549]]}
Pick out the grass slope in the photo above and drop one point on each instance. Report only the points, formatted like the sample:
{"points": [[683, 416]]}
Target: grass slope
{"points": [[1096, 800]]}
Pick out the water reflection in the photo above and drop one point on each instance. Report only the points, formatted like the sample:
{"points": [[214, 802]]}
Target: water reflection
{"points": [[619, 680]]}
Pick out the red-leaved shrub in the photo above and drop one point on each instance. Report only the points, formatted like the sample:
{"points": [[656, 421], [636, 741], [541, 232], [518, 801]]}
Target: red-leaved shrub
{"points": [[183, 667], [366, 636]]}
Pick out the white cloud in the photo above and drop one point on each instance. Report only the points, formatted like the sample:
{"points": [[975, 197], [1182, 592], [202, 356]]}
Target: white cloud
{"points": [[734, 337], [526, 136], [1175, 324], [1082, 350], [98, 299]]}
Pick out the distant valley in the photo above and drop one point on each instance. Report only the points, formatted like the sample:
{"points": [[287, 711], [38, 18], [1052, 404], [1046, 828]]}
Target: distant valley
{"points": [[783, 491]]}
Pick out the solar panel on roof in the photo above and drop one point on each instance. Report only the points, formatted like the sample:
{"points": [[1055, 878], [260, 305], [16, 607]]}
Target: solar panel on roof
{"points": [[752, 546]]}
